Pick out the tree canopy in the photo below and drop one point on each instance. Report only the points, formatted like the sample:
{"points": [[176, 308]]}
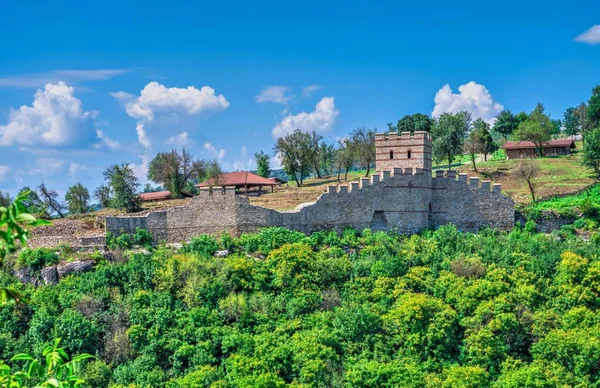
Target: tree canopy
{"points": [[123, 185], [449, 134], [78, 199]]}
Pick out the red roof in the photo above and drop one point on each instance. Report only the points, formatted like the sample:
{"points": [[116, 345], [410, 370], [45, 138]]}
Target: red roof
{"points": [[239, 178], [155, 196], [521, 145]]}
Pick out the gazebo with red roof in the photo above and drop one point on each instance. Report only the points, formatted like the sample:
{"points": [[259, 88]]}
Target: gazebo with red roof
{"points": [[239, 179], [527, 149]]}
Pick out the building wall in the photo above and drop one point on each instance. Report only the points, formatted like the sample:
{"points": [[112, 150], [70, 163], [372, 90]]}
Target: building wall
{"points": [[532, 153]]}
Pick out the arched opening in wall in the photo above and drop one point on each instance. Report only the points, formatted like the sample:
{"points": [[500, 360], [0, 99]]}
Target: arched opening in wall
{"points": [[379, 221], [391, 154], [409, 154]]}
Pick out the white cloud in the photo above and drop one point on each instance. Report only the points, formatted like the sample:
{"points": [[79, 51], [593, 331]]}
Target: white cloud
{"points": [[56, 118], [244, 163], [36, 80], [308, 90], [157, 101], [46, 167], [180, 140], [218, 154], [321, 119], [75, 169], [113, 145], [141, 170], [276, 162], [4, 170], [591, 36], [277, 94], [472, 97]]}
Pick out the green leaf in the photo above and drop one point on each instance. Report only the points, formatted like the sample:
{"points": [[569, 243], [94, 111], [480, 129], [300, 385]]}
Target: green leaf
{"points": [[24, 217]]}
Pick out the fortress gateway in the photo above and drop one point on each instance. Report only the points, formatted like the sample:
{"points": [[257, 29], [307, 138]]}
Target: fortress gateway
{"points": [[403, 194]]}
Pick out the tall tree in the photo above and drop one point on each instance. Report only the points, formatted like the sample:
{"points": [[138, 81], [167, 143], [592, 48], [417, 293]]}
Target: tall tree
{"points": [[263, 168], [591, 151], [173, 170], [479, 141], [505, 124], [5, 199], [571, 122], [585, 124], [123, 184], [327, 157], [344, 158], [288, 147], [449, 135], [540, 116], [412, 123], [78, 199], [472, 147], [363, 144], [32, 202], [314, 149], [102, 195], [528, 170], [50, 199], [533, 131], [594, 108]]}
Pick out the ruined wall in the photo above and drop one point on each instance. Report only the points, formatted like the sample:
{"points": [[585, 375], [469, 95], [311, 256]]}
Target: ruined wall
{"points": [[393, 150], [469, 204]]}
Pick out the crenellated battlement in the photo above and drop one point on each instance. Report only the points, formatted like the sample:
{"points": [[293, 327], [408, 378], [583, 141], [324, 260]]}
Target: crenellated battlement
{"points": [[473, 182]]}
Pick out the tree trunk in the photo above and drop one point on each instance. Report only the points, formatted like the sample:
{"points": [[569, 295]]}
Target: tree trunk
{"points": [[531, 189], [346, 175], [317, 170], [449, 162], [339, 173], [485, 157], [473, 161], [368, 169]]}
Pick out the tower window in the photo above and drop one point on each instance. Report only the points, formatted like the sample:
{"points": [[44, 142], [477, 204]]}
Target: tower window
{"points": [[391, 154], [408, 154]]}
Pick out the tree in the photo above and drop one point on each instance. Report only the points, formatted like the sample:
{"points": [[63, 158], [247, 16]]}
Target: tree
{"points": [[571, 122], [344, 157], [78, 198], [533, 131], [32, 202], [263, 167], [297, 153], [479, 141], [412, 123], [449, 135], [314, 150], [123, 184], [362, 142], [591, 151], [505, 124], [50, 199], [584, 121], [174, 170], [528, 170], [327, 157], [593, 111], [5, 199], [102, 195]]}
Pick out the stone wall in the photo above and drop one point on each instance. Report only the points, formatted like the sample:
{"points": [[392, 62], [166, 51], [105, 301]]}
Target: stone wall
{"points": [[406, 199]]}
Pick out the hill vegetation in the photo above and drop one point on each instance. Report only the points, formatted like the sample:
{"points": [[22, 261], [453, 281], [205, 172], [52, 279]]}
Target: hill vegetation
{"points": [[437, 309]]}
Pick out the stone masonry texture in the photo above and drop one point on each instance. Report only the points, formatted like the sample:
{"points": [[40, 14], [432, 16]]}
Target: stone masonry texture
{"points": [[403, 195]]}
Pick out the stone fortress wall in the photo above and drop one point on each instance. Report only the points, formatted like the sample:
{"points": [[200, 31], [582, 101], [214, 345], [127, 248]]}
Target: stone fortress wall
{"points": [[401, 195]]}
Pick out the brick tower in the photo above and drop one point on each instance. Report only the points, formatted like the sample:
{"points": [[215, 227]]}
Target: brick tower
{"points": [[393, 150]]}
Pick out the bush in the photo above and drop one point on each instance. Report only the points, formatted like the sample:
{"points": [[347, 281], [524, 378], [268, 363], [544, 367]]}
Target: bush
{"points": [[204, 245], [141, 237], [37, 258]]}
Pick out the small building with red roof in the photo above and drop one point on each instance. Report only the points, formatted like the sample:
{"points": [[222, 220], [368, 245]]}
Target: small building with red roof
{"points": [[155, 196], [527, 149]]}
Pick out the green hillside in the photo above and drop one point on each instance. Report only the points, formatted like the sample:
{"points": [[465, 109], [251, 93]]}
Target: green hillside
{"points": [[437, 309]]}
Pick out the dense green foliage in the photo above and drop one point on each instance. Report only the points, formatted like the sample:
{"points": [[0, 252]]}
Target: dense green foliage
{"points": [[263, 167], [585, 204], [141, 238], [123, 185], [439, 309], [78, 199]]}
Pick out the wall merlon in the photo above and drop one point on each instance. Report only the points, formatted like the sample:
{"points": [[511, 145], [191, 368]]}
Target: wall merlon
{"points": [[452, 174], [331, 188], [462, 177], [497, 188], [375, 178], [417, 171], [397, 171], [343, 189], [474, 181], [485, 185], [385, 176], [439, 173], [353, 187], [365, 182]]}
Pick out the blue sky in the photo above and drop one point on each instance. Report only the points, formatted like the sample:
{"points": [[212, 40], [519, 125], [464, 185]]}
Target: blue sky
{"points": [[224, 78]]}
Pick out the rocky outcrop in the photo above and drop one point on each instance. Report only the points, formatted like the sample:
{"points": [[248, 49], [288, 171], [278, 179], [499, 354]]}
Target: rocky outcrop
{"points": [[65, 269], [49, 275]]}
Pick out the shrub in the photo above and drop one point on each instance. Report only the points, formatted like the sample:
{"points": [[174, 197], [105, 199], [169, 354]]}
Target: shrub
{"points": [[204, 245], [37, 258], [141, 237]]}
